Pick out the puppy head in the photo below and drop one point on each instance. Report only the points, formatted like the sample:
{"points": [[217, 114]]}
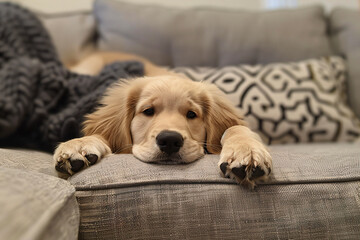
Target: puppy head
{"points": [[168, 125], [167, 119]]}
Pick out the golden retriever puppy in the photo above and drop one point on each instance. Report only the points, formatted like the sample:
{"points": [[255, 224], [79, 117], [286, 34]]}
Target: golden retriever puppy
{"points": [[169, 120]]}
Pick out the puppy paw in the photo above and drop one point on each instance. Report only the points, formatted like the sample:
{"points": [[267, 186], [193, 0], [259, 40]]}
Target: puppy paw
{"points": [[246, 162], [74, 155]]}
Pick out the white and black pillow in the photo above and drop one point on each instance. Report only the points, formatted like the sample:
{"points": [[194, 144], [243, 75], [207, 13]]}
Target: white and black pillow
{"points": [[288, 102]]}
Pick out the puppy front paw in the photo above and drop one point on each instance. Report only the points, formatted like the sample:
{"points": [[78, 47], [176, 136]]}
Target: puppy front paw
{"points": [[246, 162], [74, 155]]}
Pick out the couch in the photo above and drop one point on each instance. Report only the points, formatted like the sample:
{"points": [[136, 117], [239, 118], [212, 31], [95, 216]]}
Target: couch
{"points": [[313, 191]]}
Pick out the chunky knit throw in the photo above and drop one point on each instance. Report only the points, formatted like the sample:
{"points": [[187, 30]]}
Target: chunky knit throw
{"points": [[41, 102]]}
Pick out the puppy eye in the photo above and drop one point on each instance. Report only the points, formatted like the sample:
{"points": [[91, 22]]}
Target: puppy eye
{"points": [[191, 115], [149, 112]]}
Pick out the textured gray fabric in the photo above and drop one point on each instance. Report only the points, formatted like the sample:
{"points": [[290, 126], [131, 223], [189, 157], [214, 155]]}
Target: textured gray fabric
{"points": [[291, 163], [221, 211], [345, 30], [27, 160], [36, 206], [211, 37], [313, 193]]}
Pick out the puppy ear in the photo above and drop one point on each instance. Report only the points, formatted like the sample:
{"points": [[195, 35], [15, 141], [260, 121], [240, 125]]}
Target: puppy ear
{"points": [[219, 115], [113, 118]]}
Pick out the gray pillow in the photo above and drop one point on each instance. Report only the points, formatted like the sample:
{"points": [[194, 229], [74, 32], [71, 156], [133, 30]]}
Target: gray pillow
{"points": [[345, 28], [211, 37]]}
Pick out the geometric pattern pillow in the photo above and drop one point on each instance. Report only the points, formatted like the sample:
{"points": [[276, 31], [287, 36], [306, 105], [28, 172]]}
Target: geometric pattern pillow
{"points": [[288, 102]]}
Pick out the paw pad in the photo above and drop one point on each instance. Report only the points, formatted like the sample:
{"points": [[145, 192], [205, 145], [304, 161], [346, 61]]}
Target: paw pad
{"points": [[59, 167], [92, 158], [257, 172], [223, 167], [76, 165], [240, 172]]}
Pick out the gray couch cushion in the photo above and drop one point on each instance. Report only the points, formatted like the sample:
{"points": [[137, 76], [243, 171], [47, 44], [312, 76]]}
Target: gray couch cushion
{"points": [[292, 163], [30, 160], [72, 33], [312, 193], [70, 25], [345, 30], [211, 37], [36, 206], [203, 211]]}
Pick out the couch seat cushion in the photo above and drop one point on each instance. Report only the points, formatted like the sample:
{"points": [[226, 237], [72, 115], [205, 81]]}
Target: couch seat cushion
{"points": [[36, 206], [30, 160], [291, 164], [313, 193]]}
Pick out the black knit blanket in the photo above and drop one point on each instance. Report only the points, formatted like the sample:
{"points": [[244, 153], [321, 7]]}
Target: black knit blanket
{"points": [[41, 102]]}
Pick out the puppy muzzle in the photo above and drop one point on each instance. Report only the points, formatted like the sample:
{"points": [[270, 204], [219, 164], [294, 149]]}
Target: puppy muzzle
{"points": [[169, 142]]}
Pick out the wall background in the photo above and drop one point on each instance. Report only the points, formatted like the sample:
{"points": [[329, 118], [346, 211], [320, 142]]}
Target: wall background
{"points": [[66, 6]]}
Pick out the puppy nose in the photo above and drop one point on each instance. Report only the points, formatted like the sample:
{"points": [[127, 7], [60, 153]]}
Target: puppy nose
{"points": [[169, 141]]}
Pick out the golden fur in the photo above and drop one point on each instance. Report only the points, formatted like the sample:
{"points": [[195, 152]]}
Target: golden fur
{"points": [[120, 125], [120, 120]]}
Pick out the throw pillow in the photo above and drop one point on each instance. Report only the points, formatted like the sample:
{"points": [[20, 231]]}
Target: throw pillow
{"points": [[288, 102]]}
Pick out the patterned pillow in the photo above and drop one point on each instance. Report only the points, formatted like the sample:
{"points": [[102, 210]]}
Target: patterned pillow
{"points": [[288, 102]]}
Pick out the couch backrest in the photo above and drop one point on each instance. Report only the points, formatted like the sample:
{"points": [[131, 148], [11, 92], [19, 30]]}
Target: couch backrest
{"points": [[345, 36], [211, 37]]}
